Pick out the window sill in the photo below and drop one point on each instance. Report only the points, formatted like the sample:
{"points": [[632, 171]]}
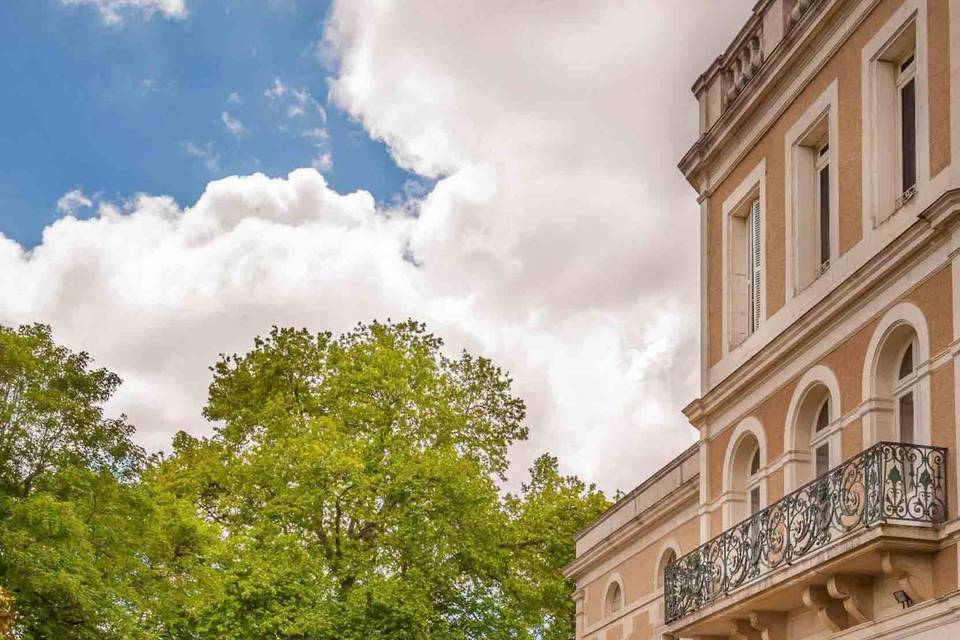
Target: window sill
{"points": [[905, 197]]}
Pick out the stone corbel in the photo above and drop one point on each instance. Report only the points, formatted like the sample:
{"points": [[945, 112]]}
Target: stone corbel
{"points": [[909, 573], [772, 625], [856, 594], [741, 630], [830, 612]]}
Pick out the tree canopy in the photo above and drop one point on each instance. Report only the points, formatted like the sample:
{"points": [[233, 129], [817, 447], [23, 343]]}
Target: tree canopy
{"points": [[352, 488]]}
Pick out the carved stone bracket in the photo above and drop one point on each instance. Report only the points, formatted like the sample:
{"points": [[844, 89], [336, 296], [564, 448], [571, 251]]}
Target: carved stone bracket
{"points": [[856, 594], [830, 612], [909, 572], [772, 625], [741, 630]]}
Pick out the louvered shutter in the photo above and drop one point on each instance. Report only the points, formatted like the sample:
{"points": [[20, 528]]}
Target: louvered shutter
{"points": [[753, 267]]}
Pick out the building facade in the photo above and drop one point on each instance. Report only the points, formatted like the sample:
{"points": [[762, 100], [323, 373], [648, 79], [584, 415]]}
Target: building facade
{"points": [[821, 498]]}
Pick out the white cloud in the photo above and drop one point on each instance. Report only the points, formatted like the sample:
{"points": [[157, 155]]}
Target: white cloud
{"points": [[234, 98], [211, 159], [323, 162], [276, 90], [558, 239], [560, 226], [71, 201], [318, 135], [112, 11], [299, 102], [233, 125]]}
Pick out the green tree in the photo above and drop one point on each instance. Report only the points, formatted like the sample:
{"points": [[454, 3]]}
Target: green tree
{"points": [[85, 550], [355, 483], [545, 516]]}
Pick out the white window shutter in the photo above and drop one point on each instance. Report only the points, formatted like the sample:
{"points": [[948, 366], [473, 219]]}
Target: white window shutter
{"points": [[753, 267]]}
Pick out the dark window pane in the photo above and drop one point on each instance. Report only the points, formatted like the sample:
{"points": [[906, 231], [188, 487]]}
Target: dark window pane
{"points": [[755, 462], [823, 459], [823, 417], [754, 500], [906, 363], [908, 135], [824, 215]]}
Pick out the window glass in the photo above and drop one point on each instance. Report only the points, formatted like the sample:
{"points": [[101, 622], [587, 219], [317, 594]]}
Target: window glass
{"points": [[822, 456], [906, 363], [823, 196], [906, 416], [755, 463], [908, 124], [823, 416], [754, 500]]}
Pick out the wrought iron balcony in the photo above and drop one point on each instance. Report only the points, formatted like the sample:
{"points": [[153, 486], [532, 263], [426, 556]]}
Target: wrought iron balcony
{"points": [[887, 483]]}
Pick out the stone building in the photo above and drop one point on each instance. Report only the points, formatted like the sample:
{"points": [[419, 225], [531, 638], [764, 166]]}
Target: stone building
{"points": [[821, 498]]}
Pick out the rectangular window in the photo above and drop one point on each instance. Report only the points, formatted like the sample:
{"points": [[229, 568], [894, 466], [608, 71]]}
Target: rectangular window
{"points": [[813, 201], [754, 500], [906, 87], [823, 204], [753, 267], [890, 115], [744, 279]]}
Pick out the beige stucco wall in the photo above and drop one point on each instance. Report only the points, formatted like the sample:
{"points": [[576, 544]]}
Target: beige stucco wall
{"points": [[638, 573], [945, 571], [938, 34]]}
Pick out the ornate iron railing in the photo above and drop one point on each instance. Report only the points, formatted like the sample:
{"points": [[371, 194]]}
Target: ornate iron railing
{"points": [[889, 482]]}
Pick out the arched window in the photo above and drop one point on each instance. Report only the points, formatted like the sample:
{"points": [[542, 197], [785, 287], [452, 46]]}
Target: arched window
{"points": [[813, 427], [904, 393], [820, 438], [668, 558], [895, 383], [753, 481], [744, 478], [614, 599]]}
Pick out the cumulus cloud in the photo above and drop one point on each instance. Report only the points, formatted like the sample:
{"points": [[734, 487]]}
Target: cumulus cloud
{"points": [[71, 201], [233, 125], [234, 98], [557, 237], [560, 125], [112, 11]]}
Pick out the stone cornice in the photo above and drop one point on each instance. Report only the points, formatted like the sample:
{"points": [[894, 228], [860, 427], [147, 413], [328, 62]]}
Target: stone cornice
{"points": [[640, 488], [785, 62], [686, 495]]}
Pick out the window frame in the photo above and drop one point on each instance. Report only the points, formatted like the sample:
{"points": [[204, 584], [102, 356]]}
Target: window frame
{"points": [[736, 210], [821, 164], [823, 437], [754, 480], [907, 385], [816, 126], [902, 78], [882, 194]]}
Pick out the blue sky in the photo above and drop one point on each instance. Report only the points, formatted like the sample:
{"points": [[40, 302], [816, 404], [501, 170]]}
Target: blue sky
{"points": [[116, 110]]}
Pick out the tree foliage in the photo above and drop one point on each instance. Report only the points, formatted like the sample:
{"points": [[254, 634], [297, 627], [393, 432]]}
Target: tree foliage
{"points": [[87, 550], [351, 489]]}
